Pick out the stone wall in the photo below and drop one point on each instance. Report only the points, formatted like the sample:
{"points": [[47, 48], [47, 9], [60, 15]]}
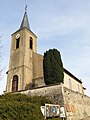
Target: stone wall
{"points": [[77, 106], [39, 82], [53, 93]]}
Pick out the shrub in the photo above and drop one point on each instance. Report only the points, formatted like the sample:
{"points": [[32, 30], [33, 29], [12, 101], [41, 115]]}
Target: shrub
{"points": [[21, 107]]}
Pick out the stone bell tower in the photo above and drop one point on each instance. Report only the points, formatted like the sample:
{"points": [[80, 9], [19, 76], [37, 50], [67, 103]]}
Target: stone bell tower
{"points": [[23, 45]]}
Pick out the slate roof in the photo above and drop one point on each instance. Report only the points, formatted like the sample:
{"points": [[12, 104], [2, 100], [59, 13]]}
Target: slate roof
{"points": [[70, 74], [25, 23]]}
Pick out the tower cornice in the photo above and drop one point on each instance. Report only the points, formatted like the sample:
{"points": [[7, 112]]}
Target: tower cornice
{"points": [[24, 29]]}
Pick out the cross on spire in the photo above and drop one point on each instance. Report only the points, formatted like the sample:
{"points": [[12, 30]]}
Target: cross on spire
{"points": [[25, 7], [25, 22]]}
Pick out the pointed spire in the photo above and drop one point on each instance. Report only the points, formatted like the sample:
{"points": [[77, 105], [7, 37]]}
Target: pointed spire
{"points": [[25, 22]]}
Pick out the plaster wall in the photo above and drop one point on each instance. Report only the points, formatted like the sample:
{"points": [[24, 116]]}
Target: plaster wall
{"points": [[75, 85], [37, 66]]}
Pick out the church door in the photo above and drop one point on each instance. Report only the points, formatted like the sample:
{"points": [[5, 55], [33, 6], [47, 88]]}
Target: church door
{"points": [[15, 83]]}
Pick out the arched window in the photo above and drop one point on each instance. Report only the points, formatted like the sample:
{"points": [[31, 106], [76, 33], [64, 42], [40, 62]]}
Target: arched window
{"points": [[17, 42], [31, 43], [15, 83]]}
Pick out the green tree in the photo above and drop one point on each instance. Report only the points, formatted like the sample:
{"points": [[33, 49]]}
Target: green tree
{"points": [[53, 67]]}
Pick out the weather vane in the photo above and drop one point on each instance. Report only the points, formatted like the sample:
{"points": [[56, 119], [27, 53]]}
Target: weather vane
{"points": [[25, 7]]}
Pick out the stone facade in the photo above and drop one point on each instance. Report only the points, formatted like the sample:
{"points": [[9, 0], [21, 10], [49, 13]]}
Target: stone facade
{"points": [[53, 93], [26, 65], [77, 105], [21, 59], [37, 65]]}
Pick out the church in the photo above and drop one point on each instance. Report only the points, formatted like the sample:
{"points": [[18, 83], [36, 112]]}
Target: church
{"points": [[26, 65]]}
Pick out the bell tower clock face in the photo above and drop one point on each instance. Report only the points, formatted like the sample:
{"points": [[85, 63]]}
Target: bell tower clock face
{"points": [[17, 36]]}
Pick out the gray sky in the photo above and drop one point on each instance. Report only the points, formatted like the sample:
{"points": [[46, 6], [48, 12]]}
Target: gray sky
{"points": [[60, 24]]}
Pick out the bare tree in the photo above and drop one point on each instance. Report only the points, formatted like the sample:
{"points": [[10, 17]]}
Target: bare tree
{"points": [[1, 69]]}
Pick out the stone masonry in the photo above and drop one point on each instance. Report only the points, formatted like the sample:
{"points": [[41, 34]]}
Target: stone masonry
{"points": [[77, 106]]}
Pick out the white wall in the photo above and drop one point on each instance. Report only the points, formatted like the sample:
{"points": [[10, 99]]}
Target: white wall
{"points": [[72, 84]]}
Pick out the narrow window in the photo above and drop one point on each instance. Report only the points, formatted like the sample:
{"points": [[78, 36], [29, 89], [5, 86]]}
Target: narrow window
{"points": [[78, 88], [31, 43], [70, 84], [17, 42]]}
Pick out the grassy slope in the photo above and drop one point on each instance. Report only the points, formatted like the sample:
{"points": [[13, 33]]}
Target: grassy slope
{"points": [[22, 107]]}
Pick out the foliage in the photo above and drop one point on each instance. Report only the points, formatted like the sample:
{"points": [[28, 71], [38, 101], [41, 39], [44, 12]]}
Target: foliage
{"points": [[21, 107], [53, 67]]}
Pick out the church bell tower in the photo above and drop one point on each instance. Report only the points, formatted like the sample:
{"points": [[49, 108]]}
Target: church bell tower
{"points": [[23, 45]]}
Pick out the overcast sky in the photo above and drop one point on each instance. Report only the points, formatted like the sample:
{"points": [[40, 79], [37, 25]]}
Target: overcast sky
{"points": [[60, 24]]}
